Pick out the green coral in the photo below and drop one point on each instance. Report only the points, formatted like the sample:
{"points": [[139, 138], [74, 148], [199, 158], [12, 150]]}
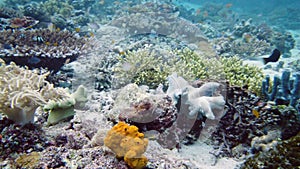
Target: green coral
{"points": [[285, 155], [141, 67], [60, 110], [144, 67], [242, 75], [191, 65]]}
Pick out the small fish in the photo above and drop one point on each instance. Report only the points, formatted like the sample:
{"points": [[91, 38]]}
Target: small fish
{"points": [[151, 134], [229, 5], [274, 57], [77, 29], [261, 61], [51, 27], [255, 113], [33, 60], [93, 25]]}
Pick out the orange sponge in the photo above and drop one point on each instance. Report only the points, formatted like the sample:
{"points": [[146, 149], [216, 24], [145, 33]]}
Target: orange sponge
{"points": [[126, 142]]}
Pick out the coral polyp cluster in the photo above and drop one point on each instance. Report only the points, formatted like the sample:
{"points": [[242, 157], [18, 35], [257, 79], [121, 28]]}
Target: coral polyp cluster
{"points": [[126, 142]]}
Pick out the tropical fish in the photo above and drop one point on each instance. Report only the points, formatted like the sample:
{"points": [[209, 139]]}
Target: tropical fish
{"points": [[229, 5], [93, 25], [33, 60], [255, 113], [151, 134], [274, 57], [261, 61]]}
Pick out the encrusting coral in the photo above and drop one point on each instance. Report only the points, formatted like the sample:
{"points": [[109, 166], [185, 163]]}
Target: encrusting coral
{"points": [[126, 142], [23, 90]]}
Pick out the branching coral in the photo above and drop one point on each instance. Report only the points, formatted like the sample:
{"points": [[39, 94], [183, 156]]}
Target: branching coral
{"points": [[144, 67], [242, 75], [141, 66], [126, 142], [23, 90]]}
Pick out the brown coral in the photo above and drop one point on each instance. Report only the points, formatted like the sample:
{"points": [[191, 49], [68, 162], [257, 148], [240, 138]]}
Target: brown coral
{"points": [[40, 48]]}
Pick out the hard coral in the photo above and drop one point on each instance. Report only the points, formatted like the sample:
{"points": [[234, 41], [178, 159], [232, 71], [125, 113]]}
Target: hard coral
{"points": [[242, 75], [125, 141], [40, 48]]}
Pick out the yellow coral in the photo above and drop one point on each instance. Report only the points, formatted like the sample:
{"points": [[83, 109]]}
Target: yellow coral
{"points": [[125, 141]]}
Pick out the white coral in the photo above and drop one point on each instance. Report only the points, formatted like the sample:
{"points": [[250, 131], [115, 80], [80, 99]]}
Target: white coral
{"points": [[23, 90], [203, 100]]}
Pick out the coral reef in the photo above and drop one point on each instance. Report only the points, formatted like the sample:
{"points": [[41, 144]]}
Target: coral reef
{"points": [[23, 90], [240, 126], [126, 142], [165, 22], [62, 109], [242, 75], [283, 41], [6, 12], [284, 90], [141, 67], [20, 139], [170, 115], [283, 155], [153, 70], [40, 48], [246, 47]]}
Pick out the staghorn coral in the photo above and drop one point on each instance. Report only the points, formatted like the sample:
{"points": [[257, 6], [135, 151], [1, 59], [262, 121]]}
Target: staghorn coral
{"points": [[40, 48], [126, 142], [143, 67], [23, 90]]}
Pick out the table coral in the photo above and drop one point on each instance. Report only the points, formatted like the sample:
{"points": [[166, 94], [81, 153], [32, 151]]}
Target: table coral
{"points": [[40, 48], [125, 141]]}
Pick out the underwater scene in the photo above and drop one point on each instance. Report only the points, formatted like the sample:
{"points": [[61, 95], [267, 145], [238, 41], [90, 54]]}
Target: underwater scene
{"points": [[148, 84]]}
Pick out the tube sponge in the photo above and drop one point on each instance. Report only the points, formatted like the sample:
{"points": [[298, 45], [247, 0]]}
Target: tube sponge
{"points": [[126, 142]]}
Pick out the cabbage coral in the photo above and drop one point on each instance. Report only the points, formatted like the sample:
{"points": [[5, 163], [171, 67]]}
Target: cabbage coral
{"points": [[23, 90]]}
